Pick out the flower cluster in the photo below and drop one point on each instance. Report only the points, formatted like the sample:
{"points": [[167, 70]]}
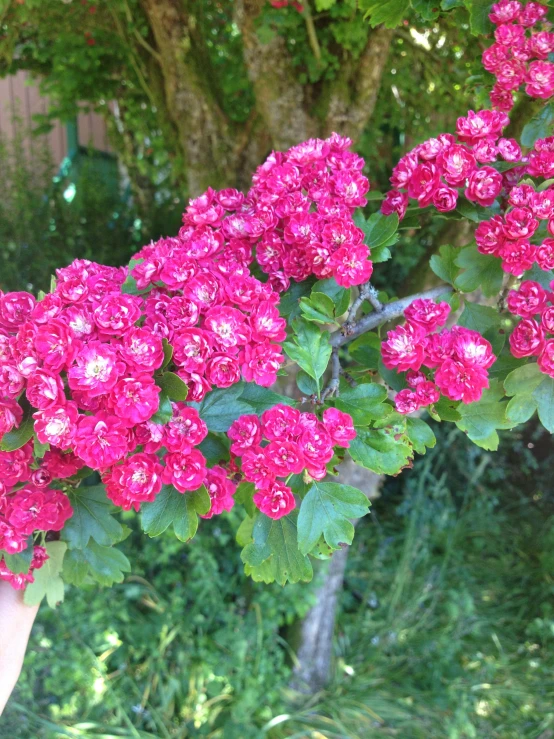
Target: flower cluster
{"points": [[285, 442], [520, 54], [456, 360], [535, 306], [510, 236], [301, 206], [434, 172]]}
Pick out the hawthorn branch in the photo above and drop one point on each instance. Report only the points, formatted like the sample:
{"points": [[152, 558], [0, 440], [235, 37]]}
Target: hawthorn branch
{"points": [[333, 386], [387, 313]]}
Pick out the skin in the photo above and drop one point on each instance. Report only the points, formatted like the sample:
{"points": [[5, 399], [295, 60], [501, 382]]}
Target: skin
{"points": [[16, 622]]}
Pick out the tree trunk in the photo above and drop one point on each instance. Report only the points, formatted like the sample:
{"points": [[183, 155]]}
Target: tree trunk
{"points": [[315, 653]]}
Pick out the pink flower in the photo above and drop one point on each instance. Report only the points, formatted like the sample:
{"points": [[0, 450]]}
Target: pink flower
{"points": [[117, 313], [445, 199], [222, 370], [490, 235], [456, 162], [546, 358], [142, 349], [485, 124], [540, 80], [59, 465], [404, 348], [470, 348], [46, 510], [137, 480], [547, 319], [245, 433], [509, 150], [56, 425], [545, 254], [427, 393], [221, 491], [135, 399], [316, 445], [395, 202], [339, 426], [275, 501], [54, 345], [260, 363], [100, 440], [256, 467], [424, 181], [96, 369], [519, 224], [460, 382], [185, 430], [351, 265], [280, 422], [528, 300], [427, 314], [527, 339], [11, 414], [45, 389], [517, 256], [15, 309], [484, 186], [185, 471], [284, 458], [227, 327], [191, 349], [266, 323], [406, 401], [505, 11]]}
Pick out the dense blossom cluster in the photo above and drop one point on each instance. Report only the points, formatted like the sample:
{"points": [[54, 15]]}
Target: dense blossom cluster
{"points": [[282, 443], [456, 360], [84, 363], [535, 306], [528, 218], [300, 209], [520, 54], [436, 171]]}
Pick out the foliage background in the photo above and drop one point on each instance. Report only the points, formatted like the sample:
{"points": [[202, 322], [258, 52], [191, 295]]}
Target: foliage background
{"points": [[446, 623]]}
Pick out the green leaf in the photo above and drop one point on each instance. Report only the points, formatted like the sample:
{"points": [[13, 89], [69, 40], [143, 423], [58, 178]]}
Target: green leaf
{"points": [[311, 349], [420, 434], [481, 270], [165, 410], [544, 397], [222, 406], [542, 276], [365, 402], [289, 305], [39, 448], [366, 350], [243, 495], [48, 582], [540, 125], [479, 318], [522, 383], [105, 564], [173, 386], [91, 519], [326, 509], [379, 229], [214, 448], [260, 399], [427, 9], [306, 384], [339, 295], [168, 353], [21, 562], [505, 364], [446, 409], [394, 379], [318, 308], [179, 509], [75, 567], [480, 420], [18, 437], [385, 451], [274, 553], [387, 12], [444, 264], [479, 22]]}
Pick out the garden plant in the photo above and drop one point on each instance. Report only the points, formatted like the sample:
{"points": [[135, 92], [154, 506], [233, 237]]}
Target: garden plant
{"points": [[156, 387]]}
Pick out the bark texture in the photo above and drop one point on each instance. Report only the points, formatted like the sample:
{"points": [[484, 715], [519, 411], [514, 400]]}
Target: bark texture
{"points": [[219, 152], [315, 654]]}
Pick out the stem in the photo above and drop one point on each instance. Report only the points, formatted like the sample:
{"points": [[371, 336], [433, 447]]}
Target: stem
{"points": [[333, 386], [387, 313], [312, 34]]}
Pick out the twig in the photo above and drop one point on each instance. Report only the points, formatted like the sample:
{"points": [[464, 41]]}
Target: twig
{"points": [[388, 312], [333, 386], [312, 33], [366, 292]]}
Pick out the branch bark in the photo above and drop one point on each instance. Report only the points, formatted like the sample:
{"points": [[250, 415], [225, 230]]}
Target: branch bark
{"points": [[388, 312]]}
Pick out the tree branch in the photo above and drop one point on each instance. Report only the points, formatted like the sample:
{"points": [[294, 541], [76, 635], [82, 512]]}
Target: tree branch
{"points": [[333, 386], [388, 313]]}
